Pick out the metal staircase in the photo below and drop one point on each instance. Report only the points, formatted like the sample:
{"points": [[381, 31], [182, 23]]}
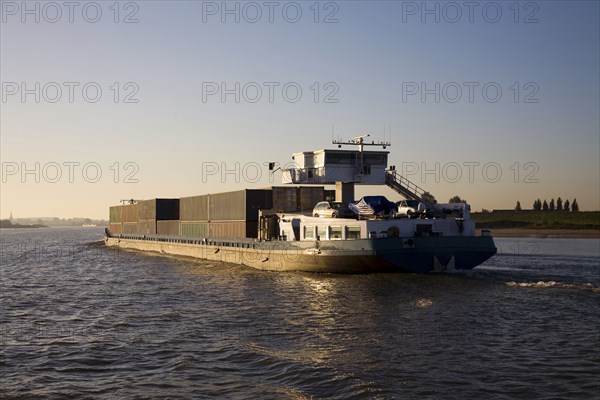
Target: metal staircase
{"points": [[403, 186]]}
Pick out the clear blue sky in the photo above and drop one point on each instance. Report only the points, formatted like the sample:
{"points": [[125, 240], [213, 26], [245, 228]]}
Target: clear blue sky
{"points": [[373, 58]]}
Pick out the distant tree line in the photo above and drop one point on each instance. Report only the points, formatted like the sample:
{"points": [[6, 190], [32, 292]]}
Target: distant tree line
{"points": [[537, 205], [55, 221], [558, 206], [6, 223], [428, 197], [457, 199]]}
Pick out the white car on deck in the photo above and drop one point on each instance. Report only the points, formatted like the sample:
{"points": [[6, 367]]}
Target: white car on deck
{"points": [[332, 209], [410, 208]]}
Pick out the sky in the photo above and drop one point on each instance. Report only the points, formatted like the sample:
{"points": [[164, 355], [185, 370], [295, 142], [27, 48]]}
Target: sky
{"points": [[496, 102]]}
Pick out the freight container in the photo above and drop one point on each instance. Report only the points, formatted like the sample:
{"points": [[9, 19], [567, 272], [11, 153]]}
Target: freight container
{"points": [[159, 209], [130, 213], [167, 228], [193, 229], [227, 206], [285, 199], [115, 214], [309, 196], [193, 208], [130, 227], [233, 229], [241, 205], [146, 227], [146, 209], [167, 209], [115, 228]]}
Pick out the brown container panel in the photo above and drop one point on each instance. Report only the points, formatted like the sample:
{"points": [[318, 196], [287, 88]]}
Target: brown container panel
{"points": [[146, 209], [146, 227], [115, 214], [239, 205], [115, 228], [227, 206], [193, 229], [309, 196], [130, 213], [193, 208], [227, 229], [160, 209], [167, 228], [130, 227], [285, 199], [230, 229]]}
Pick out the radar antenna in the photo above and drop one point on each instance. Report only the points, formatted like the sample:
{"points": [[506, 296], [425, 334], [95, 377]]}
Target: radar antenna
{"points": [[360, 142], [129, 201]]}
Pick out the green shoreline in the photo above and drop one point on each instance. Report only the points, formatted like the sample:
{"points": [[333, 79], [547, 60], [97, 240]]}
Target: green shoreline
{"points": [[538, 220], [543, 233], [24, 226]]}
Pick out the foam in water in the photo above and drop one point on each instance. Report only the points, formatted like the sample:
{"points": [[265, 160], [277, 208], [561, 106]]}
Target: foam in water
{"points": [[554, 284]]}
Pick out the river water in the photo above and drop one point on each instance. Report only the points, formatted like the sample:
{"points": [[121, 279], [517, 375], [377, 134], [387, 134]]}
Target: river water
{"points": [[79, 320]]}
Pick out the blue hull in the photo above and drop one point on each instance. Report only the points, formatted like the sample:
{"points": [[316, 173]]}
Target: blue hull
{"points": [[430, 254]]}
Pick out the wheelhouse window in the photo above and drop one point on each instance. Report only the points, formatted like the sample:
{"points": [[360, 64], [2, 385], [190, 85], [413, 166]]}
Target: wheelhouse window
{"points": [[309, 232], [335, 232], [322, 232], [353, 232], [340, 158], [375, 158]]}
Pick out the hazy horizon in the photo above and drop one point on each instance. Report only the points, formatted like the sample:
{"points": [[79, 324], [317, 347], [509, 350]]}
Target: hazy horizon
{"points": [[393, 195], [496, 102]]}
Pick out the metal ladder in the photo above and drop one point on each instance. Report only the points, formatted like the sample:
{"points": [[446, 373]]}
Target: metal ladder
{"points": [[403, 186]]}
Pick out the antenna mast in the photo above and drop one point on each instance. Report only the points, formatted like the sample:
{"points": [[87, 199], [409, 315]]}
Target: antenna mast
{"points": [[360, 142]]}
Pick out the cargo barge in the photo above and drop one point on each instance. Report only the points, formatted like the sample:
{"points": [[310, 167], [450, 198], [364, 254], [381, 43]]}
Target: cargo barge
{"points": [[275, 229]]}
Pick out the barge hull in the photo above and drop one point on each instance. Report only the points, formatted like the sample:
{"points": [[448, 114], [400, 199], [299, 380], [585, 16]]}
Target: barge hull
{"points": [[416, 255]]}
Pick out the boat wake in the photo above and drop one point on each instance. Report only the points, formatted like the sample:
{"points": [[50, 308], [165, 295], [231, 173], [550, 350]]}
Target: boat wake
{"points": [[553, 284]]}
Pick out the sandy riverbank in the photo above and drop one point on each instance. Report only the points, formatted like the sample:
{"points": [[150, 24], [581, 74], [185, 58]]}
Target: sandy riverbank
{"points": [[544, 233]]}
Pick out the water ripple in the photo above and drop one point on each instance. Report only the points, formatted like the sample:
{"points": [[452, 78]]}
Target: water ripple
{"points": [[79, 320]]}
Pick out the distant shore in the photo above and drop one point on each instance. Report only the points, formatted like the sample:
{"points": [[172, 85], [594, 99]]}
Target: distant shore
{"points": [[17, 226], [544, 233]]}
